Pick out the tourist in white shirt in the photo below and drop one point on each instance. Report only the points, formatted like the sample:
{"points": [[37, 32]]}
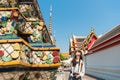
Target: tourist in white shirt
{"points": [[77, 66]]}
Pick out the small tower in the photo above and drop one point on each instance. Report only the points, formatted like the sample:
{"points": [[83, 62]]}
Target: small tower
{"points": [[54, 39], [50, 22], [50, 27]]}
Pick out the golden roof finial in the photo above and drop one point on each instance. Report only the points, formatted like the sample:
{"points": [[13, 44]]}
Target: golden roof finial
{"points": [[92, 28]]}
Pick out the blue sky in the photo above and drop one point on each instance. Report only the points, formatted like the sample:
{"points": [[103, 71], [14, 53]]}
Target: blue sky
{"points": [[78, 16]]}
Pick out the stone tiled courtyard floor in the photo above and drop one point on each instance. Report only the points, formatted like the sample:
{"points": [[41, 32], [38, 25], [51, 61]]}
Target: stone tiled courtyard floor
{"points": [[64, 75]]}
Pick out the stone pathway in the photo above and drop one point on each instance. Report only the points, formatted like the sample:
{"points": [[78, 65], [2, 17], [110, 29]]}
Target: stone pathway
{"points": [[64, 75]]}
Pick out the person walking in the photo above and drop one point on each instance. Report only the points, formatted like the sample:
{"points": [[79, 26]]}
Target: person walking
{"points": [[77, 66]]}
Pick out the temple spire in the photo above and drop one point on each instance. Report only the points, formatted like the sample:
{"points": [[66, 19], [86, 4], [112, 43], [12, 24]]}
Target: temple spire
{"points": [[50, 22], [92, 28], [54, 38]]}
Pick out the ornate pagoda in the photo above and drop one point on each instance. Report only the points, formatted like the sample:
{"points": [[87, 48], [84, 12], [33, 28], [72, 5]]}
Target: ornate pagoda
{"points": [[27, 50]]}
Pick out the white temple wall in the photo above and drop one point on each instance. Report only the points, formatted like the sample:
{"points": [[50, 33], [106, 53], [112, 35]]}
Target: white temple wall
{"points": [[104, 64]]}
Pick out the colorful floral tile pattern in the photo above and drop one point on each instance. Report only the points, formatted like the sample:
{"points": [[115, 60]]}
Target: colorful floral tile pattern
{"points": [[21, 19]]}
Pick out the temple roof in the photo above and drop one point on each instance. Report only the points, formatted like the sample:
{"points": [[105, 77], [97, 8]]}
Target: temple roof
{"points": [[76, 42], [78, 39], [107, 36]]}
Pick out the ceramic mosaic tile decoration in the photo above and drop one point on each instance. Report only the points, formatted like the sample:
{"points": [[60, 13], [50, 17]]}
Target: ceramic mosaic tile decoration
{"points": [[26, 45]]}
